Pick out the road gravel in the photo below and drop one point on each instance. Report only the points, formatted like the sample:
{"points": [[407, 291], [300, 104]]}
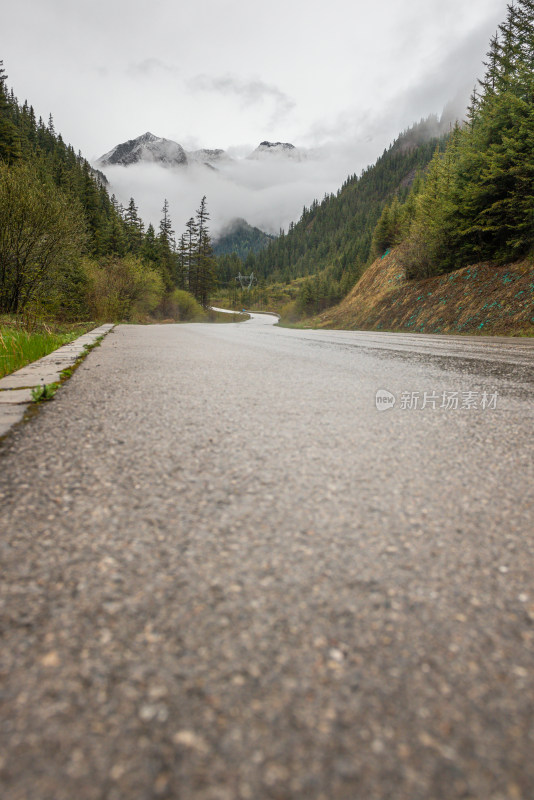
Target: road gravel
{"points": [[227, 576]]}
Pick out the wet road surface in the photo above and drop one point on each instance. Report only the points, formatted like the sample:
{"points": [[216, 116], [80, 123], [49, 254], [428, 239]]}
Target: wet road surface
{"points": [[227, 575]]}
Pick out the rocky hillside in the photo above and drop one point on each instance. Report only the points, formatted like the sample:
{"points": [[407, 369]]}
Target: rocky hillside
{"points": [[477, 299]]}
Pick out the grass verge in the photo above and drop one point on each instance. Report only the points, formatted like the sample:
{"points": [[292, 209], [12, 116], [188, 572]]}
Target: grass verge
{"points": [[219, 316], [21, 344]]}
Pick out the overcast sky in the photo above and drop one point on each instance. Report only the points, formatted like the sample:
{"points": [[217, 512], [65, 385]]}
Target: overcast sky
{"points": [[230, 73]]}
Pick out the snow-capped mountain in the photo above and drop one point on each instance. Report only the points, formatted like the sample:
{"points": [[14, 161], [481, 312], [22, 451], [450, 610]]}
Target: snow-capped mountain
{"points": [[145, 148], [157, 150], [280, 149], [207, 156]]}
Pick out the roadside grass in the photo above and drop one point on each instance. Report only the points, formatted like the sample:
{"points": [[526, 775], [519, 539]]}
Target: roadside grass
{"points": [[305, 325], [21, 343], [219, 316], [45, 392]]}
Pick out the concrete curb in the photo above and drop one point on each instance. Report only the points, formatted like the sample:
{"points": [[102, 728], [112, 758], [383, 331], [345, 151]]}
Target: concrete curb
{"points": [[16, 389]]}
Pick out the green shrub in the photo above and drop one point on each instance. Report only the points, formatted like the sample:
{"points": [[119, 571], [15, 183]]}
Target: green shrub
{"points": [[180, 305], [290, 312], [66, 298], [41, 233], [122, 289]]}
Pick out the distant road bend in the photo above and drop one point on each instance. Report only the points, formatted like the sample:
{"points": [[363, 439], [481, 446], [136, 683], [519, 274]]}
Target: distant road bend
{"points": [[227, 575], [499, 349]]}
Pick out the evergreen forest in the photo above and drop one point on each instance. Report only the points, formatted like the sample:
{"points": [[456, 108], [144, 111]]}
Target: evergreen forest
{"points": [[447, 195], [70, 251]]}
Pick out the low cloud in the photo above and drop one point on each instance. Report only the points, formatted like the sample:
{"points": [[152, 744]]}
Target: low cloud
{"points": [[151, 66], [248, 92], [269, 193], [443, 89]]}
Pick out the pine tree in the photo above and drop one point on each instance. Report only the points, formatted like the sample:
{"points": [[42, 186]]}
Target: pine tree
{"points": [[205, 260], [115, 241], [166, 244], [509, 51], [489, 82], [10, 144], [182, 280], [165, 227], [431, 243], [473, 108], [149, 248], [134, 227], [495, 179], [113, 233], [525, 32], [191, 256], [382, 233]]}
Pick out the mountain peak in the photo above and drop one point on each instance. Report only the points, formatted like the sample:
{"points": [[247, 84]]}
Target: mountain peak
{"points": [[208, 156], [146, 147], [283, 145], [155, 149], [281, 149]]}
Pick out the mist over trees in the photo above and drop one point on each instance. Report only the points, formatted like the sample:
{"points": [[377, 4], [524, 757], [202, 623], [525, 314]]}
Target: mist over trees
{"points": [[197, 265], [477, 200], [337, 232], [447, 195], [241, 238], [463, 197], [68, 249], [332, 242]]}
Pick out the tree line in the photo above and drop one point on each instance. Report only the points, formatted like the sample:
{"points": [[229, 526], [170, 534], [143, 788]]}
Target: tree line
{"points": [[476, 202], [332, 243], [336, 233], [450, 200], [449, 197], [70, 250]]}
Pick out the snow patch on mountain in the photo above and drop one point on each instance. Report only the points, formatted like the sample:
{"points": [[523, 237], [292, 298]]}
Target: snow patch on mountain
{"points": [[278, 149], [154, 149], [207, 156], [145, 148]]}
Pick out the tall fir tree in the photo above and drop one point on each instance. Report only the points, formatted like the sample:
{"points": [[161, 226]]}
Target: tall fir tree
{"points": [[205, 260], [134, 228], [182, 279], [10, 144], [191, 256], [166, 246], [477, 202]]}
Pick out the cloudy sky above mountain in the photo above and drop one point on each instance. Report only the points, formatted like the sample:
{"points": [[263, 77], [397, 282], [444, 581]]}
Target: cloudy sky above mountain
{"points": [[346, 76]]}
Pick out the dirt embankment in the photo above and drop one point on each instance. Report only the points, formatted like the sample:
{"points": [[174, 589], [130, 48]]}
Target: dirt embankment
{"points": [[478, 299]]}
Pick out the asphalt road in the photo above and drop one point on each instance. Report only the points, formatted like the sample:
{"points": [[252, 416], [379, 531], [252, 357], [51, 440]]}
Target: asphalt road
{"points": [[227, 576]]}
